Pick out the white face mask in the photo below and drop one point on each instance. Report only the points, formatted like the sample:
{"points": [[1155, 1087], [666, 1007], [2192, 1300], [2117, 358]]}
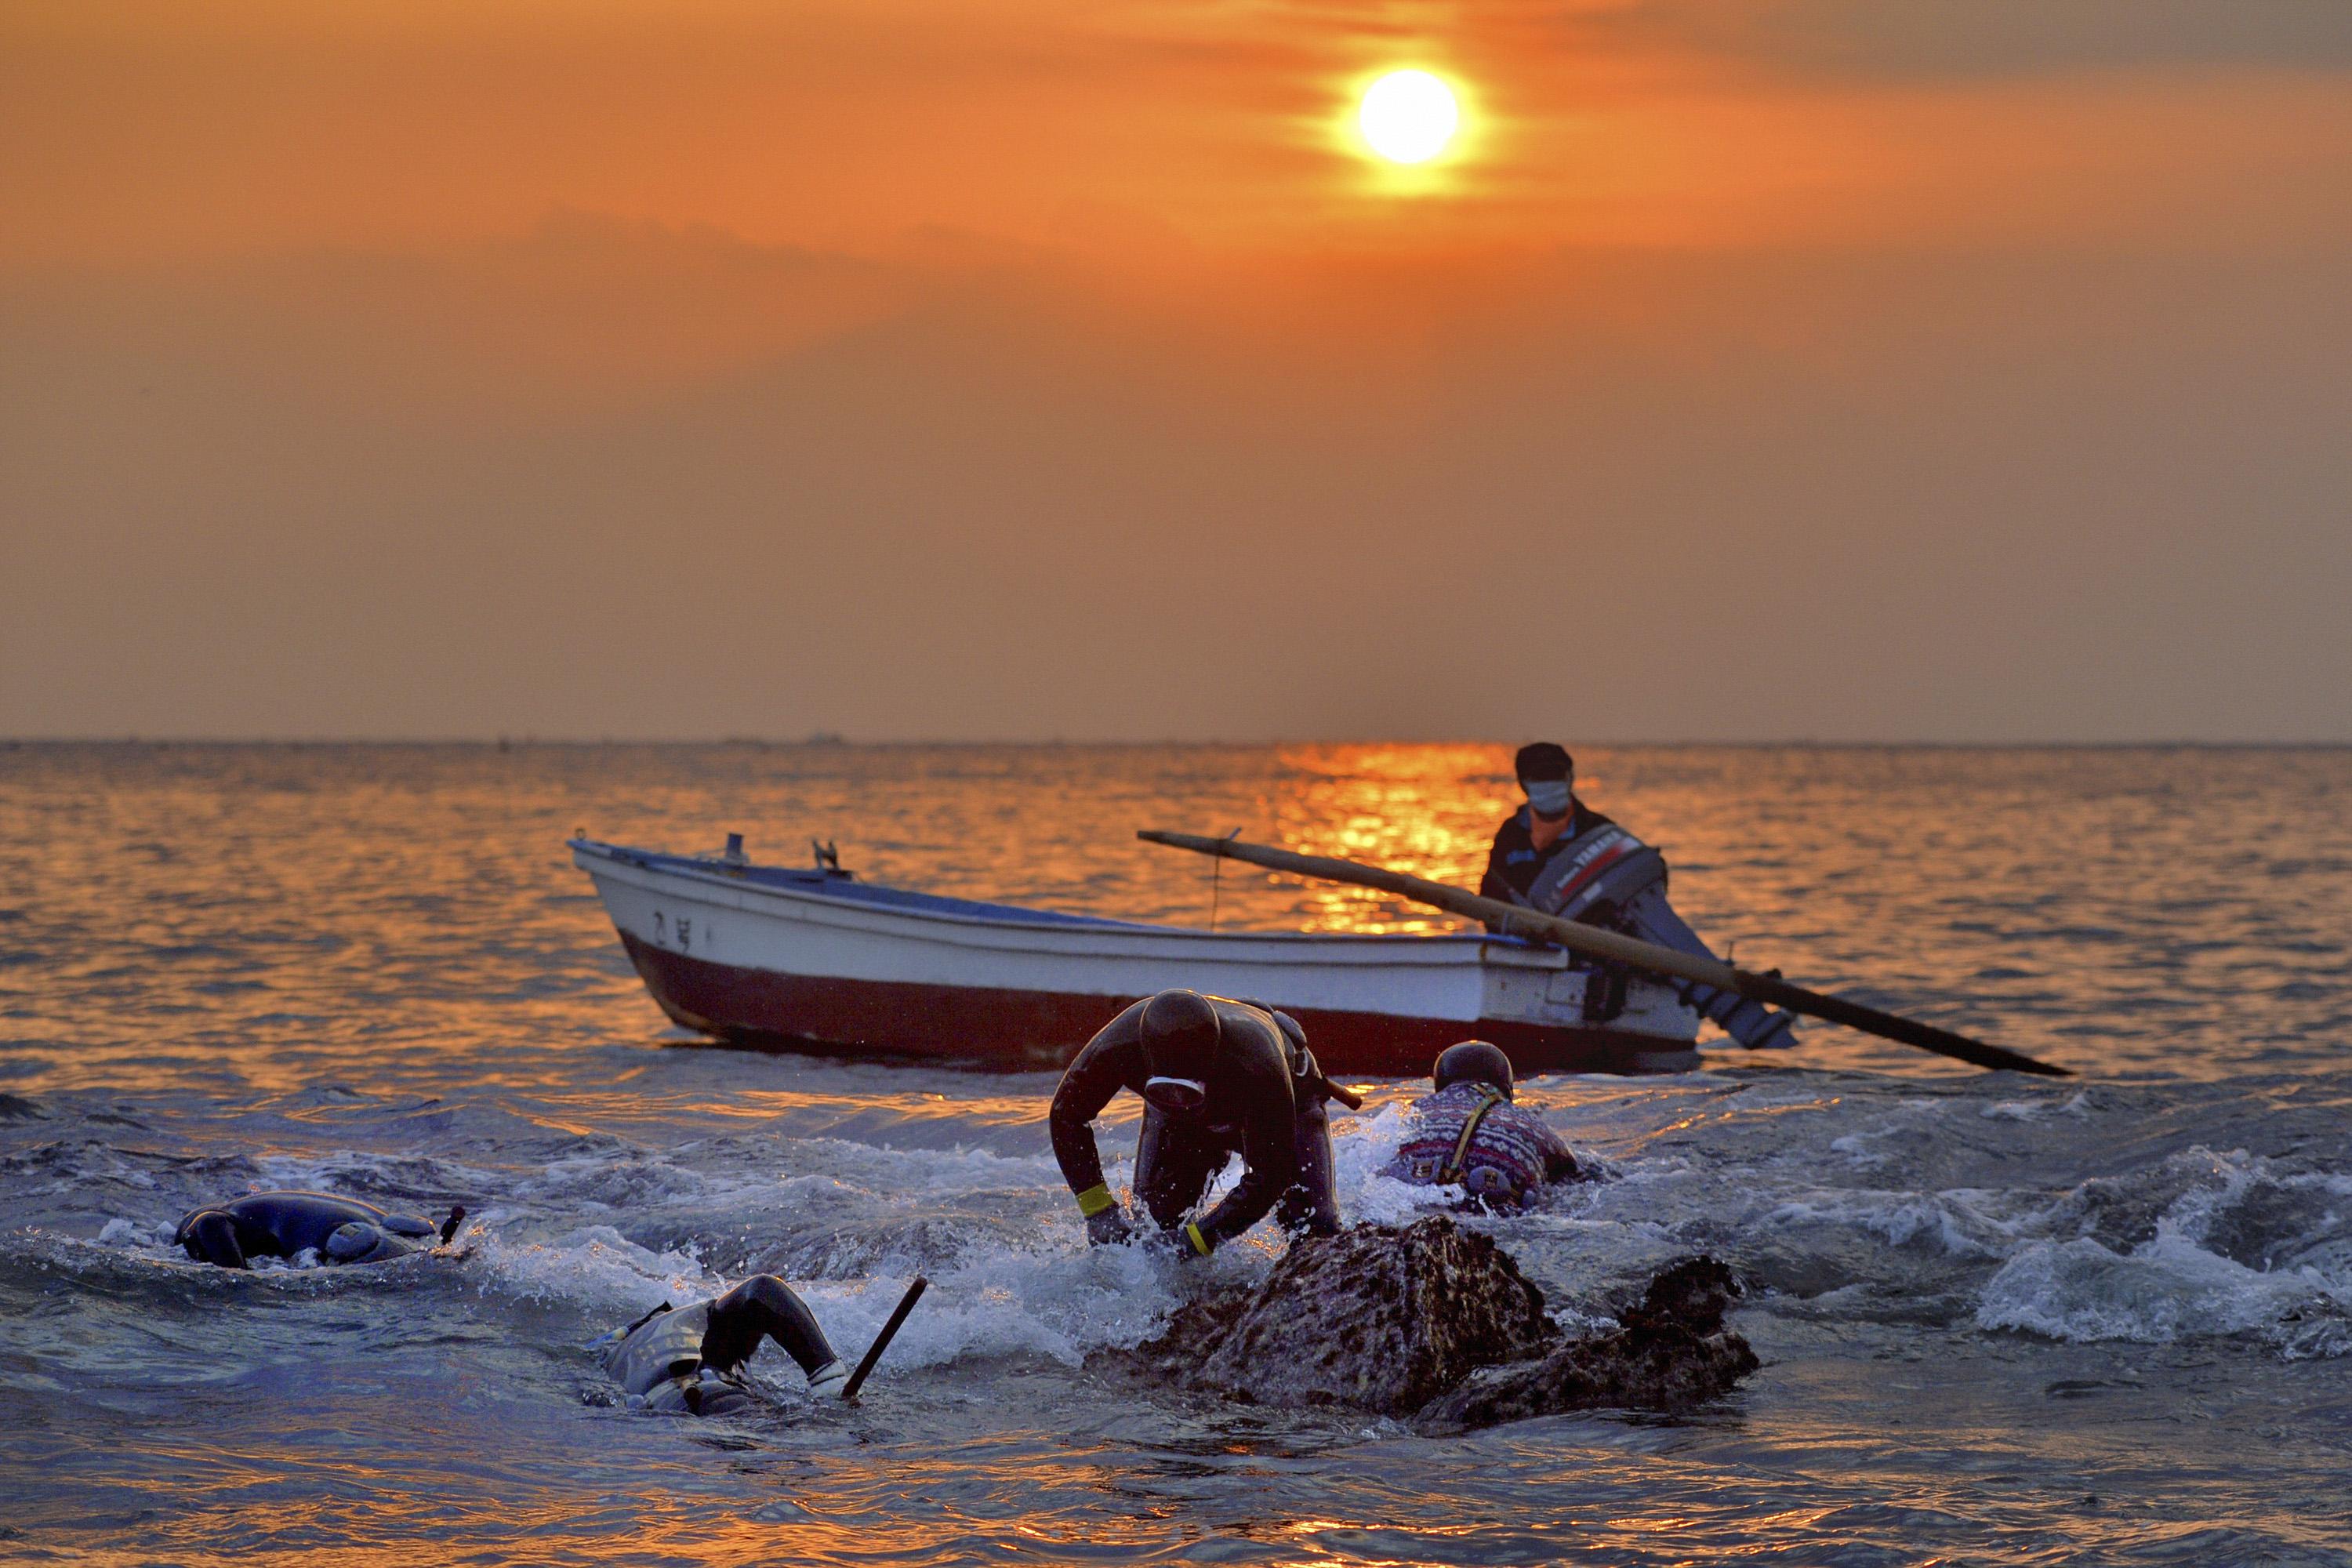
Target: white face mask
{"points": [[1549, 796]]}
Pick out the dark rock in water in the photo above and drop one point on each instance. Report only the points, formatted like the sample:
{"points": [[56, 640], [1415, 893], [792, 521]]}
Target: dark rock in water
{"points": [[1693, 1294], [1438, 1320], [1377, 1318], [1672, 1352]]}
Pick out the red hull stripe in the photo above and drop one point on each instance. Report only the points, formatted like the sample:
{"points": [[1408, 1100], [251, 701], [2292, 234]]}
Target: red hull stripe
{"points": [[1034, 1029]]}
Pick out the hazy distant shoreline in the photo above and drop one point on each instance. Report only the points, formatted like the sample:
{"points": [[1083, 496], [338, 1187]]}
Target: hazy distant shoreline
{"points": [[804, 744]]}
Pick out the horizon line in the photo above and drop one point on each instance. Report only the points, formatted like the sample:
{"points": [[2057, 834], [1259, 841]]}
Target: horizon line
{"points": [[824, 740]]}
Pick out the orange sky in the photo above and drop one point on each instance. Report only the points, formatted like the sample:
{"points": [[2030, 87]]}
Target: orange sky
{"points": [[140, 131], [1997, 344]]}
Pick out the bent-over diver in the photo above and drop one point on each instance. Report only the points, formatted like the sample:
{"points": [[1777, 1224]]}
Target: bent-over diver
{"points": [[1216, 1076]]}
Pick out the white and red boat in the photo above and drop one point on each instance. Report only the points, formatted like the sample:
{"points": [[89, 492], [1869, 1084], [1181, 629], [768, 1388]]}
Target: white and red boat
{"points": [[816, 959]]}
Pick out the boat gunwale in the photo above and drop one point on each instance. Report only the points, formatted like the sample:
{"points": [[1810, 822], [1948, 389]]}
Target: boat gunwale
{"points": [[1460, 947]]}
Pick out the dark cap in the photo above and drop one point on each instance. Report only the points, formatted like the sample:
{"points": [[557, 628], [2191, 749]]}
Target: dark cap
{"points": [[1472, 1061], [1179, 1035], [1545, 760]]}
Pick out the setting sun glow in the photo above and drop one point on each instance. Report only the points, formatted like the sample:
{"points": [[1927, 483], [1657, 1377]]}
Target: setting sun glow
{"points": [[1409, 116]]}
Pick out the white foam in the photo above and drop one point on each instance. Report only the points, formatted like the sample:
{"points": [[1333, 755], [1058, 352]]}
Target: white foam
{"points": [[1957, 1222], [1362, 1148], [1856, 1147], [1055, 1297], [2173, 1286], [1059, 1304], [595, 1265], [2169, 1289]]}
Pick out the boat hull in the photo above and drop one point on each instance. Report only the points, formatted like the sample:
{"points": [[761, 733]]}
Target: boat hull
{"points": [[995, 1026], [762, 958]]}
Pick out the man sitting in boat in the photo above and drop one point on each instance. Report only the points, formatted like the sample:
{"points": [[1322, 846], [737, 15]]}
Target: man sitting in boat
{"points": [[1216, 1076], [1469, 1134], [286, 1225], [1559, 856], [690, 1360]]}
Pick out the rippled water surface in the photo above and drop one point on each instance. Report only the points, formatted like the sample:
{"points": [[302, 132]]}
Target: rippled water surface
{"points": [[2098, 1320]]}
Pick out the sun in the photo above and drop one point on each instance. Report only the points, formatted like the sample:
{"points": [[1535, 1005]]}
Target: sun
{"points": [[1409, 116]]}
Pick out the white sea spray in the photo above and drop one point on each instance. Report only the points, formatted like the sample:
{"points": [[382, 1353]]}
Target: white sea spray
{"points": [[2177, 1284]]}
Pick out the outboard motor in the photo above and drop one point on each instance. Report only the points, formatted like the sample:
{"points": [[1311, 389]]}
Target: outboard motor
{"points": [[1597, 877], [1608, 877]]}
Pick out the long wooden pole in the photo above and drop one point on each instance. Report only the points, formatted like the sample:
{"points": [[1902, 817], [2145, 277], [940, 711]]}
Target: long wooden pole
{"points": [[1628, 951]]}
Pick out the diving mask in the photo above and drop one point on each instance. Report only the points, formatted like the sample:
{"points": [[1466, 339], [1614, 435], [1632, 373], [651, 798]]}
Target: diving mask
{"points": [[1177, 1096], [359, 1242]]}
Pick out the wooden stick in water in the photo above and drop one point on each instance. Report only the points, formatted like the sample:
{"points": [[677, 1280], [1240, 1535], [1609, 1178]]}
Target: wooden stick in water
{"points": [[882, 1340], [1634, 953]]}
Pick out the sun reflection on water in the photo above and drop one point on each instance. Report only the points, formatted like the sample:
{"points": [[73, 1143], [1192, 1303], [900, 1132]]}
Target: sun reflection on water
{"points": [[1428, 811], [278, 916]]}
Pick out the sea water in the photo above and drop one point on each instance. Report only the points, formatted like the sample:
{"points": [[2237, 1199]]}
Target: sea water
{"points": [[2105, 1319]]}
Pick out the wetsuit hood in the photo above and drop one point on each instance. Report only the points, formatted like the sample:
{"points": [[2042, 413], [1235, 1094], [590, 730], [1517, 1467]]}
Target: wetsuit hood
{"points": [[1473, 1061], [1180, 1034]]}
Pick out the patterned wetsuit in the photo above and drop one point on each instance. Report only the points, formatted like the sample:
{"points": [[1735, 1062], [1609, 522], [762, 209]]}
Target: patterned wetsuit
{"points": [[1509, 1154]]}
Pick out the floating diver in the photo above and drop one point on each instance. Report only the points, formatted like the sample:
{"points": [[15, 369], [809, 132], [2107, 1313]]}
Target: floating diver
{"points": [[1559, 856], [690, 1360], [282, 1225], [1469, 1134], [1216, 1076]]}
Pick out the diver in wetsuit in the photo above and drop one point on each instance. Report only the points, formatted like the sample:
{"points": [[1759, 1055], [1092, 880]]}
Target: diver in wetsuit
{"points": [[690, 1360], [1559, 856], [1469, 1134], [280, 1225], [1216, 1076]]}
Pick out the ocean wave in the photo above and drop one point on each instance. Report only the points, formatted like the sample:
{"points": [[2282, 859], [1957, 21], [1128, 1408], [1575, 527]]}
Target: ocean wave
{"points": [[2241, 1247]]}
